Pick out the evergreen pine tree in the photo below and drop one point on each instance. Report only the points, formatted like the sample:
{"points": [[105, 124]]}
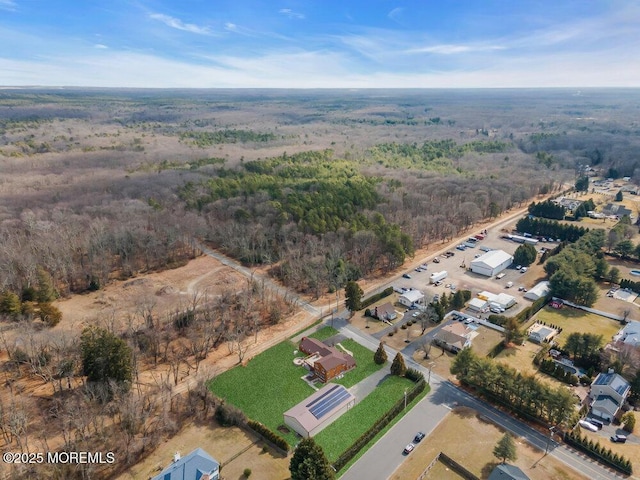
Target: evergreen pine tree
{"points": [[398, 366], [380, 357]]}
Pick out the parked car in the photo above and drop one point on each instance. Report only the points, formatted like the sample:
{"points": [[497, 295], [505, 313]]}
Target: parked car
{"points": [[418, 438], [523, 269], [509, 285], [408, 449], [597, 423], [588, 426], [436, 260], [619, 438], [518, 267], [406, 275]]}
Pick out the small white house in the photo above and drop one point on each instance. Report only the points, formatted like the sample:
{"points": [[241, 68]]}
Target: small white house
{"points": [[542, 289], [630, 334], [410, 297], [491, 263]]}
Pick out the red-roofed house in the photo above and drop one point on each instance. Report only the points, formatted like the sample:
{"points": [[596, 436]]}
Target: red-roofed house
{"points": [[325, 362]]}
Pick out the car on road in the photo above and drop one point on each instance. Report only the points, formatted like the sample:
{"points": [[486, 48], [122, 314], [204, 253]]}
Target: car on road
{"points": [[406, 275], [619, 438], [418, 438], [408, 449], [588, 426]]}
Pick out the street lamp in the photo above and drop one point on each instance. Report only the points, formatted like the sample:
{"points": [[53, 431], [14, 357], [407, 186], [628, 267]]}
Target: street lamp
{"points": [[430, 365], [405, 398]]}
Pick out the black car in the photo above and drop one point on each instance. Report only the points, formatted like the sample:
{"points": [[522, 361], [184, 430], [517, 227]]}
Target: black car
{"points": [[418, 438]]}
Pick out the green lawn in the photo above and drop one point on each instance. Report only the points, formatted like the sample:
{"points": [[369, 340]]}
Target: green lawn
{"points": [[365, 365], [268, 386], [324, 333], [341, 434]]}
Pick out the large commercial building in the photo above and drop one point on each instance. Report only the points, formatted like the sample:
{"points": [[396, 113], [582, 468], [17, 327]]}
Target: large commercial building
{"points": [[319, 410], [491, 263]]}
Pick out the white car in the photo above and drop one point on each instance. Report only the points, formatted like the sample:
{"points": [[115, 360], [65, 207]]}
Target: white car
{"points": [[588, 426]]}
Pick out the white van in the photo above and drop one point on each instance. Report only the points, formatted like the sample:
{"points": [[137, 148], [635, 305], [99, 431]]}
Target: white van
{"points": [[509, 285], [500, 275]]}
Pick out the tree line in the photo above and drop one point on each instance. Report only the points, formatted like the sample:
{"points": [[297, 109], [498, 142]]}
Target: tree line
{"points": [[541, 227]]}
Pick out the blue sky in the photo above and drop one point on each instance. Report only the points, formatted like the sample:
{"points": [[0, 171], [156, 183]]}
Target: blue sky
{"points": [[320, 43]]}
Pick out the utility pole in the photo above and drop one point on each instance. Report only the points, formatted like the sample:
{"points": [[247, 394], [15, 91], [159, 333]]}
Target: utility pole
{"points": [[430, 365], [549, 438], [405, 398]]}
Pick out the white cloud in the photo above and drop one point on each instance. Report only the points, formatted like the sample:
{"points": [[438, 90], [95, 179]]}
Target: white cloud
{"points": [[395, 13], [319, 69], [451, 49], [180, 25], [100, 46], [8, 5], [287, 12]]}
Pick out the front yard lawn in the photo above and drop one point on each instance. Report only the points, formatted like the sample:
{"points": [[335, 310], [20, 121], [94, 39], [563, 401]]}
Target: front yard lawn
{"points": [[268, 386], [341, 434], [324, 333], [365, 365]]}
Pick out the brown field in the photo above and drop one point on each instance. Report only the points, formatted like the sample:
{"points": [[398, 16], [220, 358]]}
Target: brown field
{"points": [[222, 444], [475, 451]]}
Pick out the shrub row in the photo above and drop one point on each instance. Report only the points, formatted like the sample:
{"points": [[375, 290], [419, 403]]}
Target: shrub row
{"points": [[550, 367], [631, 285], [374, 298], [268, 435], [382, 422], [598, 452], [529, 312]]}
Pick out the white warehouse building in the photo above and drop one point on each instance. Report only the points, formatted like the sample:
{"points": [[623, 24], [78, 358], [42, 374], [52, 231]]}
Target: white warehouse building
{"points": [[410, 297], [491, 263]]}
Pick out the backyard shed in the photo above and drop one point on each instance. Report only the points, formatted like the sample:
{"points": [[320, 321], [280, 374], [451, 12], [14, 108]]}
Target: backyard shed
{"points": [[318, 410], [491, 263]]}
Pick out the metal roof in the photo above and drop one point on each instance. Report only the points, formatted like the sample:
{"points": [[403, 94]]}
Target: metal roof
{"points": [[314, 410]]}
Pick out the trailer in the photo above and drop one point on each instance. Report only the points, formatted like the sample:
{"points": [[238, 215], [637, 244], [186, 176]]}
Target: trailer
{"points": [[437, 276]]}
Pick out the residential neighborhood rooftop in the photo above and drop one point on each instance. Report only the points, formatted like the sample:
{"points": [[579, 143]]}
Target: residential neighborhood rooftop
{"points": [[613, 380]]}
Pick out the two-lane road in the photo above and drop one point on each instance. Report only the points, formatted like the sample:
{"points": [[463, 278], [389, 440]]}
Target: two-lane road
{"points": [[385, 456]]}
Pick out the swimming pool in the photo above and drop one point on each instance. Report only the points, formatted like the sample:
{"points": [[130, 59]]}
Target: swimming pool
{"points": [[635, 272]]}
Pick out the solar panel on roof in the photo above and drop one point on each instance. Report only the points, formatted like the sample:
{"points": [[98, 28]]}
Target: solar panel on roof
{"points": [[328, 401]]}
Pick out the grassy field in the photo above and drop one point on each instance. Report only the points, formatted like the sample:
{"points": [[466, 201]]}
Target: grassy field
{"points": [[521, 358], [469, 439], [365, 365], [324, 333], [338, 436], [271, 377], [573, 320]]}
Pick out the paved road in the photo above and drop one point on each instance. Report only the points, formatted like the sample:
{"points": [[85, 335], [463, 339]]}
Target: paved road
{"points": [[381, 460]]}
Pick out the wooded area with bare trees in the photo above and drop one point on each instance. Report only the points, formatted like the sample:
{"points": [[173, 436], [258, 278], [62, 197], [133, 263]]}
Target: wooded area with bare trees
{"points": [[315, 188]]}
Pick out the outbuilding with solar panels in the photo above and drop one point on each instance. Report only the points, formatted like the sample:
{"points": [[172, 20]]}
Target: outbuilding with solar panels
{"points": [[319, 410]]}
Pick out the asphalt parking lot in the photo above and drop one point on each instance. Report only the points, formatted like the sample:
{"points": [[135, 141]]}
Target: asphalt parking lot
{"points": [[460, 277]]}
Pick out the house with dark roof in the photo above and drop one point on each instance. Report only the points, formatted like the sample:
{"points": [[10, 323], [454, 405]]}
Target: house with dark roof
{"points": [[319, 409], [385, 312], [198, 465], [505, 471], [324, 361], [616, 210], [608, 393]]}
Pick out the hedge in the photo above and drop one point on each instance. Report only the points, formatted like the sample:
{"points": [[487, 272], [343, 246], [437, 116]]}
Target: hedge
{"points": [[268, 435], [382, 422], [374, 298], [598, 452]]}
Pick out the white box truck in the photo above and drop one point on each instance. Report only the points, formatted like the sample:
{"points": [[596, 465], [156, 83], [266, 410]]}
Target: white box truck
{"points": [[437, 276]]}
